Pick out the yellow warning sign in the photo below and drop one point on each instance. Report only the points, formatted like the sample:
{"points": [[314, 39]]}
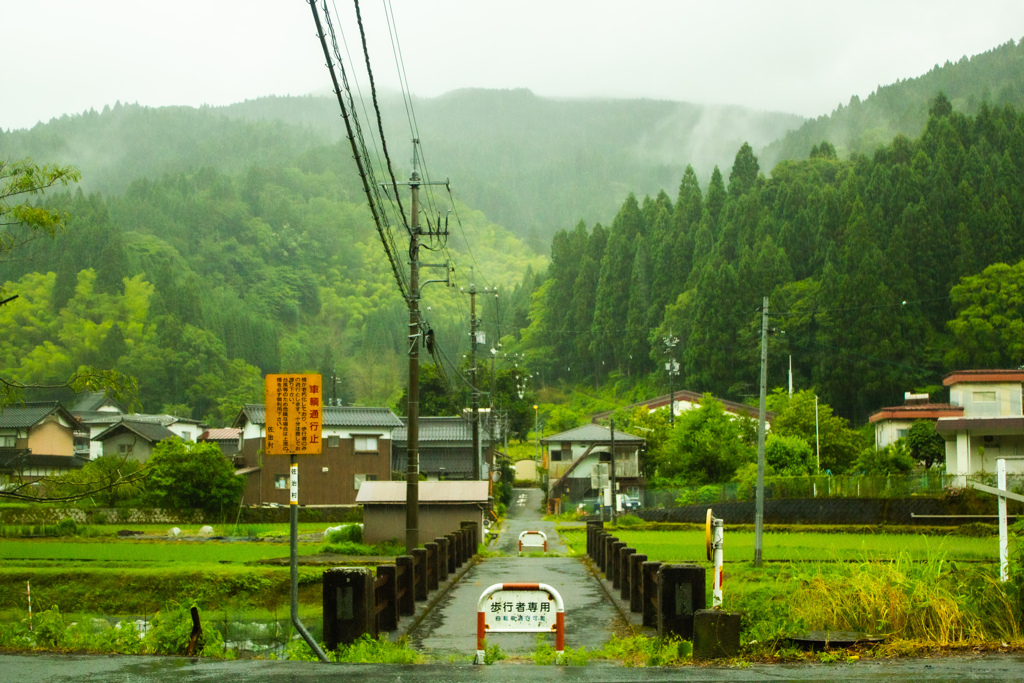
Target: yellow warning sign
{"points": [[294, 407]]}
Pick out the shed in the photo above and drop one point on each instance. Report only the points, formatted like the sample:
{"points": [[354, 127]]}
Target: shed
{"points": [[443, 505]]}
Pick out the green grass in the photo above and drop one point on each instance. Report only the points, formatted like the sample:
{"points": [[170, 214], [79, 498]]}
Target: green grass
{"points": [[130, 553], [109, 531], [689, 546]]}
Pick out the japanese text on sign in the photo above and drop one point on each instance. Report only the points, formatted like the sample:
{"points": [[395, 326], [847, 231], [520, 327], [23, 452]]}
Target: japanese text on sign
{"points": [[294, 415], [520, 611]]}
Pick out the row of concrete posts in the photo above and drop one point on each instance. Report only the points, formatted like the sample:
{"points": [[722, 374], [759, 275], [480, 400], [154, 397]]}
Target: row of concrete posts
{"points": [[670, 597], [357, 602]]}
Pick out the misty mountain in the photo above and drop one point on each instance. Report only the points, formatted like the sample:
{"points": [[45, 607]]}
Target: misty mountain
{"points": [[532, 164], [995, 77]]}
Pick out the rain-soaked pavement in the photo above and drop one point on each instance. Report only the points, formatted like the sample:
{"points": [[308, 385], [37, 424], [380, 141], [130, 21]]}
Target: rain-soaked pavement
{"points": [[589, 617]]}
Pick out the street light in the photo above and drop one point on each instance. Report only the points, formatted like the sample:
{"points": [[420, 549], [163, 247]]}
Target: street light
{"points": [[672, 368]]}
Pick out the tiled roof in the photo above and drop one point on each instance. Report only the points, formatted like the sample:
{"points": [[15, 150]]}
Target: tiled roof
{"points": [[29, 414], [334, 416], [429, 492], [593, 433], [93, 401], [147, 430], [442, 429], [682, 395], [916, 411], [986, 376], [228, 434]]}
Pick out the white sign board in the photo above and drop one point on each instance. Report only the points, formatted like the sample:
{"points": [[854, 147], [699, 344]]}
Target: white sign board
{"points": [[512, 610]]}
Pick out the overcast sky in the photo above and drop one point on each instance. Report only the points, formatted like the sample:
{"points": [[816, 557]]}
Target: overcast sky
{"points": [[65, 56]]}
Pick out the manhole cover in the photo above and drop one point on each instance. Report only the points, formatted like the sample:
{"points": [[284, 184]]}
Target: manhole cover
{"points": [[823, 640]]}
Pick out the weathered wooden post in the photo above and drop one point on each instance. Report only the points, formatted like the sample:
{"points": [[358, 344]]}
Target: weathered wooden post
{"points": [[348, 605]]}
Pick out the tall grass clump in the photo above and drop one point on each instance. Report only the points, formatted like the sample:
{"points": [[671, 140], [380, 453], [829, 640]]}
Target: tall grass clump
{"points": [[936, 602]]}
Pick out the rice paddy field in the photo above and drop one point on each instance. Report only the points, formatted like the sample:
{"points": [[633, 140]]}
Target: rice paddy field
{"points": [[689, 546]]}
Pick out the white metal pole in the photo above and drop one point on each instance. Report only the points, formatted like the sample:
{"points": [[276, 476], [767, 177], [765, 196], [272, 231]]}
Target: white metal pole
{"points": [[817, 439], [1004, 561], [716, 588]]}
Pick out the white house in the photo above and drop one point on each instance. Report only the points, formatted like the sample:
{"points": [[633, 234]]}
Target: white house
{"points": [[894, 422], [992, 423], [571, 456]]}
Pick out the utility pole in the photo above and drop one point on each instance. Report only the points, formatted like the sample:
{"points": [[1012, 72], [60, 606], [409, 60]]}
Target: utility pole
{"points": [[759, 510], [412, 464], [475, 415], [614, 482]]}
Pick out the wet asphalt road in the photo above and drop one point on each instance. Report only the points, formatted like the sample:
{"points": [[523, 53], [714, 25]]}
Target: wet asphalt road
{"points": [[450, 629]]}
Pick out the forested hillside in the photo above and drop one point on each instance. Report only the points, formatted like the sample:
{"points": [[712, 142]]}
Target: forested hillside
{"points": [[995, 77], [197, 282], [530, 164], [876, 269]]}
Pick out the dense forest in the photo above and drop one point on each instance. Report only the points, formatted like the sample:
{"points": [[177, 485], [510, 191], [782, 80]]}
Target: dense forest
{"points": [[199, 282], [879, 270], [995, 77]]}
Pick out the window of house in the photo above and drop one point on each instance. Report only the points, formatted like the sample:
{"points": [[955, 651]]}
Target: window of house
{"points": [[360, 478], [280, 481], [556, 456], [366, 443], [901, 433], [984, 397], [186, 436], [122, 448], [333, 441], [8, 441]]}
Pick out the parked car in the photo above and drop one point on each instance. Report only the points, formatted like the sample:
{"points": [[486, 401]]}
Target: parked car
{"points": [[630, 503]]}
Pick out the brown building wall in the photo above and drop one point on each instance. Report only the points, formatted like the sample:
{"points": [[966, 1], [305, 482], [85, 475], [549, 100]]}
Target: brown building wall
{"points": [[51, 438], [336, 486], [383, 522]]}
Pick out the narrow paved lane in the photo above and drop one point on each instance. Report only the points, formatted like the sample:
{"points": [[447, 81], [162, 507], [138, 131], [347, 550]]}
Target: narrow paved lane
{"points": [[589, 616]]}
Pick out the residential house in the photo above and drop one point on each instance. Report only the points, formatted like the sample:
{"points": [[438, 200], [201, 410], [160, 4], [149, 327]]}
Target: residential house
{"points": [[686, 400], [992, 423], [229, 440], [38, 440], [98, 413], [443, 507], [133, 439], [356, 448], [894, 422], [445, 446], [571, 458]]}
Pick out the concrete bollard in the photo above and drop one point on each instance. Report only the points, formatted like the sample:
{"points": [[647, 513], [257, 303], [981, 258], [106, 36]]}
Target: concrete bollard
{"points": [[453, 553], [406, 585], [387, 619], [599, 537], [636, 582], [420, 556], [348, 604], [716, 634], [623, 574], [682, 591], [606, 553], [442, 558], [649, 599]]}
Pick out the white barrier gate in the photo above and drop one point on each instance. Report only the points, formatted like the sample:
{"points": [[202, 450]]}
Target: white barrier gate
{"points": [[520, 608], [528, 539]]}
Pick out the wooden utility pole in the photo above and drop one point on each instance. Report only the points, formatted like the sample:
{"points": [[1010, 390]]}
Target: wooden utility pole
{"points": [[759, 509], [412, 463], [475, 400]]}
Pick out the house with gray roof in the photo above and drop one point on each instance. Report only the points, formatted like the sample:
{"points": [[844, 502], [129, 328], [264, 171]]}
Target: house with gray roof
{"points": [[446, 447], [356, 448], [572, 458], [98, 413], [131, 438], [38, 440]]}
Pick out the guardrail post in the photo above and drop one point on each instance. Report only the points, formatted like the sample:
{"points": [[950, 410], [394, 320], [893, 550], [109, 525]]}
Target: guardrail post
{"points": [[682, 591], [453, 552], [609, 552], [431, 559], [650, 592], [613, 563], [623, 574], [420, 557], [592, 529], [349, 606], [636, 582], [406, 585], [387, 594], [442, 557]]}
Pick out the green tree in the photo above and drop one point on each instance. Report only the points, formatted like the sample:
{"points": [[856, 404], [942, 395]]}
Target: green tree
{"points": [[988, 330], [706, 445], [925, 443], [192, 476], [795, 416], [789, 456]]}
